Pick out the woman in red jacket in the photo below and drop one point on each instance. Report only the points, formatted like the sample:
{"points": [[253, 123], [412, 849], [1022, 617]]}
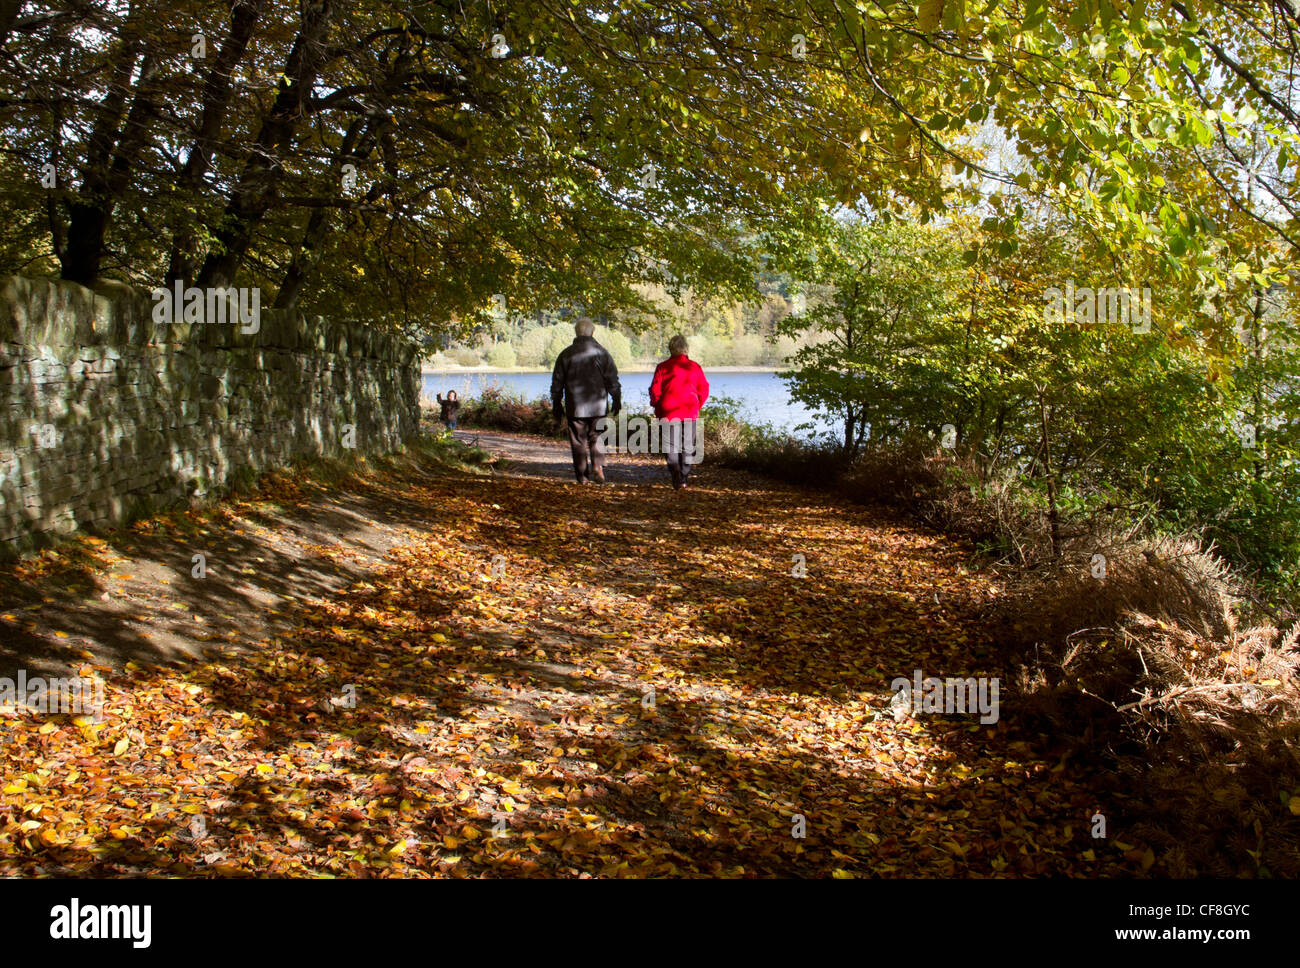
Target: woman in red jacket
{"points": [[677, 393]]}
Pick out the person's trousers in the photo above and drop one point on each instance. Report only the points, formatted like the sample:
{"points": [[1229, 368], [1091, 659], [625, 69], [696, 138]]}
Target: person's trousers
{"points": [[588, 446], [679, 443]]}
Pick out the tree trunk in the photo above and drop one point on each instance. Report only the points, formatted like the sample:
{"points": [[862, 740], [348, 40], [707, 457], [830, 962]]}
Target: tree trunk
{"points": [[999, 430], [92, 215], [260, 178], [1053, 512], [88, 220], [58, 236], [357, 144], [216, 101], [1257, 400]]}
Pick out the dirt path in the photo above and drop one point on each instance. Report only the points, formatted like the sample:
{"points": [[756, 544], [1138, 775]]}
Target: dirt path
{"points": [[543, 678], [549, 459]]}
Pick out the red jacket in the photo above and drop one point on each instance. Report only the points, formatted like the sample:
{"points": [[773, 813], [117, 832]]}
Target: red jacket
{"points": [[678, 389]]}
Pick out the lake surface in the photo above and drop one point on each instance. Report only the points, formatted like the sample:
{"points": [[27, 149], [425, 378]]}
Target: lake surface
{"points": [[762, 397]]}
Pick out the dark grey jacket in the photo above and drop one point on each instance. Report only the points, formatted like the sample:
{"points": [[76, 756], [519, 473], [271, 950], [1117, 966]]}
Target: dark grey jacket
{"points": [[584, 374]]}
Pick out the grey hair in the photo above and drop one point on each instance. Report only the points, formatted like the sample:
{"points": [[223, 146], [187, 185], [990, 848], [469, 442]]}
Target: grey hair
{"points": [[677, 345], [584, 326]]}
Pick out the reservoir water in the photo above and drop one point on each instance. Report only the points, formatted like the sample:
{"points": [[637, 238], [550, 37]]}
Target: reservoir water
{"points": [[762, 397]]}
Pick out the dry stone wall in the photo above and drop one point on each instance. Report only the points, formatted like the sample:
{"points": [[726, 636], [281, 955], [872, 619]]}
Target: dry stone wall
{"points": [[105, 412]]}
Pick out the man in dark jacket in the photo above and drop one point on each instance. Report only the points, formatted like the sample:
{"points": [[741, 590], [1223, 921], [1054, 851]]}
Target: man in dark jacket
{"points": [[584, 376]]}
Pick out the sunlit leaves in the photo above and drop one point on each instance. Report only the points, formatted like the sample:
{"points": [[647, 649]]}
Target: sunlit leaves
{"points": [[503, 729]]}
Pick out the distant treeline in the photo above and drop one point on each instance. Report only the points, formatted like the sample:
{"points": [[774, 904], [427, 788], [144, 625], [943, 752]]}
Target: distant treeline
{"points": [[720, 333]]}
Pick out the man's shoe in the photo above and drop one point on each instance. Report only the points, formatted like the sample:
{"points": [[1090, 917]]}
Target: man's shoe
{"points": [[677, 478], [596, 478]]}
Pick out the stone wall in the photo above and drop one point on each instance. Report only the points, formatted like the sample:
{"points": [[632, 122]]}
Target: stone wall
{"points": [[105, 413]]}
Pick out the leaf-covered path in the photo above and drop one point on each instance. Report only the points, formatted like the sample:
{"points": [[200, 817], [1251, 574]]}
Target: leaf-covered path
{"points": [[564, 680]]}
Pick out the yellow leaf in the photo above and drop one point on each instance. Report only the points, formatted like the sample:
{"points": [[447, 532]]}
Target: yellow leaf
{"points": [[1294, 805], [929, 15], [1148, 859], [48, 728], [122, 745]]}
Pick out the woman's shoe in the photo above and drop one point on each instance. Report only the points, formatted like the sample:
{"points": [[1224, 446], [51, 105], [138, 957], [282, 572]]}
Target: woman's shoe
{"points": [[677, 478]]}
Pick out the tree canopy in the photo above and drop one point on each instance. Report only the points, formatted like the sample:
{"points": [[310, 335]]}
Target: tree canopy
{"points": [[407, 161]]}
